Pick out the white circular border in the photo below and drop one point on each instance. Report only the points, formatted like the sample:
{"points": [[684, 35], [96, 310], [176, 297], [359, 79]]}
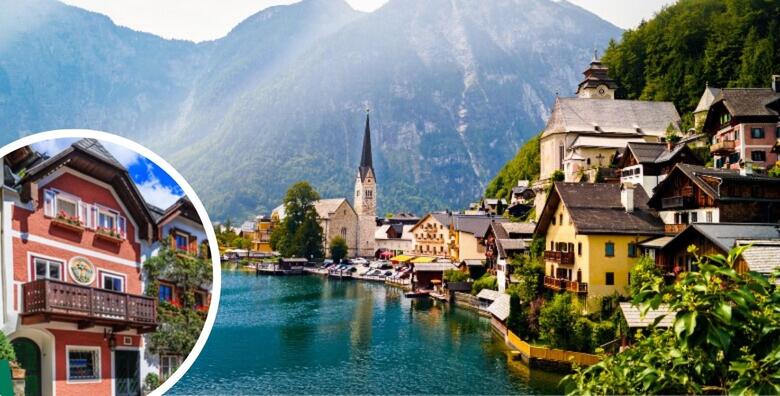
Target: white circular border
{"points": [[188, 191], [70, 266]]}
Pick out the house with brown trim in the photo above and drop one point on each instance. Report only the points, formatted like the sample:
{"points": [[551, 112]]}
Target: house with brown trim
{"points": [[647, 164]]}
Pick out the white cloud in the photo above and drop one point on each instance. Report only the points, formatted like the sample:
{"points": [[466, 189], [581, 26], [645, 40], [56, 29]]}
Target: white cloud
{"points": [[156, 194], [52, 147], [125, 156]]}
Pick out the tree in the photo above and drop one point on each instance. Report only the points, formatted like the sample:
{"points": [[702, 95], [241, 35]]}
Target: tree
{"points": [[180, 326], [299, 234], [725, 337], [338, 248], [7, 351], [455, 275], [556, 320], [242, 243], [487, 281], [558, 175]]}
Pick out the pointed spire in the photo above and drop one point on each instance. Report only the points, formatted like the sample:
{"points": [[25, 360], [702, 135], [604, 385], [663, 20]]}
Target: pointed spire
{"points": [[366, 162]]}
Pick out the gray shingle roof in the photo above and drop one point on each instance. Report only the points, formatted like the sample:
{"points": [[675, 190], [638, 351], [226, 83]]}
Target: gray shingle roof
{"points": [[488, 294], [605, 116], [748, 101], [500, 307], [706, 99], [94, 147], [635, 320], [725, 235], [474, 224], [519, 228], [763, 256]]}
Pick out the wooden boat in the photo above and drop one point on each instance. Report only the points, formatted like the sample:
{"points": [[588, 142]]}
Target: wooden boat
{"points": [[417, 294]]}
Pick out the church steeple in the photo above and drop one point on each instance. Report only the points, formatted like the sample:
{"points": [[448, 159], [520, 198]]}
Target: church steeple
{"points": [[366, 161]]}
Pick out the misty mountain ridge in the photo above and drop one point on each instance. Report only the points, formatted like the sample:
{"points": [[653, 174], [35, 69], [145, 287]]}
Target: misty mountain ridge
{"points": [[454, 87]]}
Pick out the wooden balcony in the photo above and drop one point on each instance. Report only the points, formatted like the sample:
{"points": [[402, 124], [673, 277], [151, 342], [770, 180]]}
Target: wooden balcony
{"points": [[561, 284], [563, 258], [674, 228], [723, 147], [46, 300]]}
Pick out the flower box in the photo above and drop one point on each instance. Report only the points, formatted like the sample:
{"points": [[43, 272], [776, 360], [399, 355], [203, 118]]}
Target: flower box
{"points": [[17, 372], [109, 237], [67, 224]]}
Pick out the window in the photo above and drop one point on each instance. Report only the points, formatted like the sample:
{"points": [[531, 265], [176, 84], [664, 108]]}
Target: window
{"points": [[609, 249], [182, 241], [631, 250], [560, 219], [47, 269], [107, 219], [694, 217], [579, 248], [610, 278], [757, 133], [369, 194], [708, 216], [552, 245], [629, 278], [67, 207], [83, 363], [344, 232], [758, 155], [169, 364], [165, 293], [112, 282], [200, 299]]}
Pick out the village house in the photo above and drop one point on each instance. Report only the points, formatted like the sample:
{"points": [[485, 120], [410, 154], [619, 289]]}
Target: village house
{"points": [[592, 231], [521, 200], [504, 240], [763, 255], [76, 231], [584, 132], [466, 233], [743, 123], [692, 194], [431, 234], [394, 239], [186, 235], [647, 164], [262, 241]]}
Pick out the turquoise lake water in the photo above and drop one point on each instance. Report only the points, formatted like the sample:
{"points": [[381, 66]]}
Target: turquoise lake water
{"points": [[308, 334]]}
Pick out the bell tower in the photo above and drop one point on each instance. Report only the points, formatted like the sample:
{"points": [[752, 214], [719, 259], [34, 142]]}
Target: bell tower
{"points": [[597, 83], [366, 197]]}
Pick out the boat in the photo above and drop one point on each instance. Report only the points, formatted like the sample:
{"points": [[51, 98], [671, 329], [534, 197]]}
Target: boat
{"points": [[417, 294]]}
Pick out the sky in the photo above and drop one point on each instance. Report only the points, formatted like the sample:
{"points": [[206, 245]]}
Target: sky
{"points": [[155, 185], [201, 20]]}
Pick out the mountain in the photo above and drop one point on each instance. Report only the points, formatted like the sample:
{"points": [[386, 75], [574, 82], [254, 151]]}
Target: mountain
{"points": [[454, 88]]}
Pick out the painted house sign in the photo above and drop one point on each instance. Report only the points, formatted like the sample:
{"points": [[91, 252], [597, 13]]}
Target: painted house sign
{"points": [[81, 270]]}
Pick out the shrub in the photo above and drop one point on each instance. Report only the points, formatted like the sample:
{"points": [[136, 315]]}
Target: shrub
{"points": [[7, 351], [530, 274], [556, 319], [338, 249], [582, 336], [152, 381], [487, 281], [603, 332], [455, 275], [558, 175]]}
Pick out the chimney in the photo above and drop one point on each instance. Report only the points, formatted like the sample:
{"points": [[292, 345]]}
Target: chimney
{"points": [[627, 196], [669, 145], [776, 83]]}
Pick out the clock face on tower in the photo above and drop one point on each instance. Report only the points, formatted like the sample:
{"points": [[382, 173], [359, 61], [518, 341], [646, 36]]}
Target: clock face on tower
{"points": [[602, 90]]}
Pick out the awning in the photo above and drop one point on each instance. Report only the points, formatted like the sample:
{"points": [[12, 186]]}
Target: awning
{"points": [[473, 263], [424, 259], [656, 243], [401, 259], [433, 267]]}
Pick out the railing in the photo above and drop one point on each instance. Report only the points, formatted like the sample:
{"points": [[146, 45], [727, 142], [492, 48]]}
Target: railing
{"points": [[565, 284], [566, 258], [46, 296], [724, 146]]}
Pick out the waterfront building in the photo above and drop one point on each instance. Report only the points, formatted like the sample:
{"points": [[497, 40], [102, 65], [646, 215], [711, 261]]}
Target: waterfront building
{"points": [[584, 132], [395, 239], [592, 231], [743, 124], [262, 241], [76, 231], [426, 275], [466, 236], [692, 194], [503, 241], [431, 235], [338, 218], [647, 164]]}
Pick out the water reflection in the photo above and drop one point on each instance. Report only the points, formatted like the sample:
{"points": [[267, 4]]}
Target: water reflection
{"points": [[313, 335]]}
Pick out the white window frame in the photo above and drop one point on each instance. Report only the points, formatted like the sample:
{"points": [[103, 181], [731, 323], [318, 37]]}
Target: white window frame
{"points": [[185, 235], [84, 348], [67, 198], [171, 370], [34, 273], [108, 213], [113, 274]]}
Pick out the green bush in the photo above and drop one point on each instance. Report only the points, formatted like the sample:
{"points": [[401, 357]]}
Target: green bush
{"points": [[558, 175], [455, 275], [556, 319], [603, 332], [7, 351], [152, 381], [338, 248], [487, 281], [582, 336]]}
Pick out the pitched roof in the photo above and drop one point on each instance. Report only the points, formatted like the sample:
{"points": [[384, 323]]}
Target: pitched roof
{"points": [[488, 294], [763, 256], [366, 160], [725, 235], [519, 228], [505, 245], [634, 318], [500, 307], [596, 208], [249, 226], [707, 97], [748, 101], [326, 207], [474, 224], [611, 116]]}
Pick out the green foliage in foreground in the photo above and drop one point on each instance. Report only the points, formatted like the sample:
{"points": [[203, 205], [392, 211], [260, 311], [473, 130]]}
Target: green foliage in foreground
{"points": [[728, 43], [7, 351], [524, 166], [180, 326], [487, 281], [725, 338]]}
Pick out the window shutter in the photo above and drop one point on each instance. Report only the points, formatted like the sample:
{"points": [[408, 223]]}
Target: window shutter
{"points": [[49, 197], [122, 226], [84, 214], [93, 218]]}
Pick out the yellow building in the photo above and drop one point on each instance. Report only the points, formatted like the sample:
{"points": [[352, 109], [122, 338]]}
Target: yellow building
{"points": [[591, 233], [431, 235], [262, 241], [466, 234]]}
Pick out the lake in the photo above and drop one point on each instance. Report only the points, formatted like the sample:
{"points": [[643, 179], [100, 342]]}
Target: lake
{"points": [[309, 334]]}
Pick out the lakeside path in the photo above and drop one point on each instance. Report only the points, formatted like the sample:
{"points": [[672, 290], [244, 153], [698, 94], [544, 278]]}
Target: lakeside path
{"points": [[309, 334]]}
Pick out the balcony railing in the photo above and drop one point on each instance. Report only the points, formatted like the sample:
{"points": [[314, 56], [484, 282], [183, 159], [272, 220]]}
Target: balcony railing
{"points": [[48, 300], [723, 147], [565, 258], [674, 228], [562, 284], [676, 202]]}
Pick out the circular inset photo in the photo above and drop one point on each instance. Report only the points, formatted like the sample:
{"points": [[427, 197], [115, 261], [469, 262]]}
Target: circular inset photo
{"points": [[110, 267]]}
